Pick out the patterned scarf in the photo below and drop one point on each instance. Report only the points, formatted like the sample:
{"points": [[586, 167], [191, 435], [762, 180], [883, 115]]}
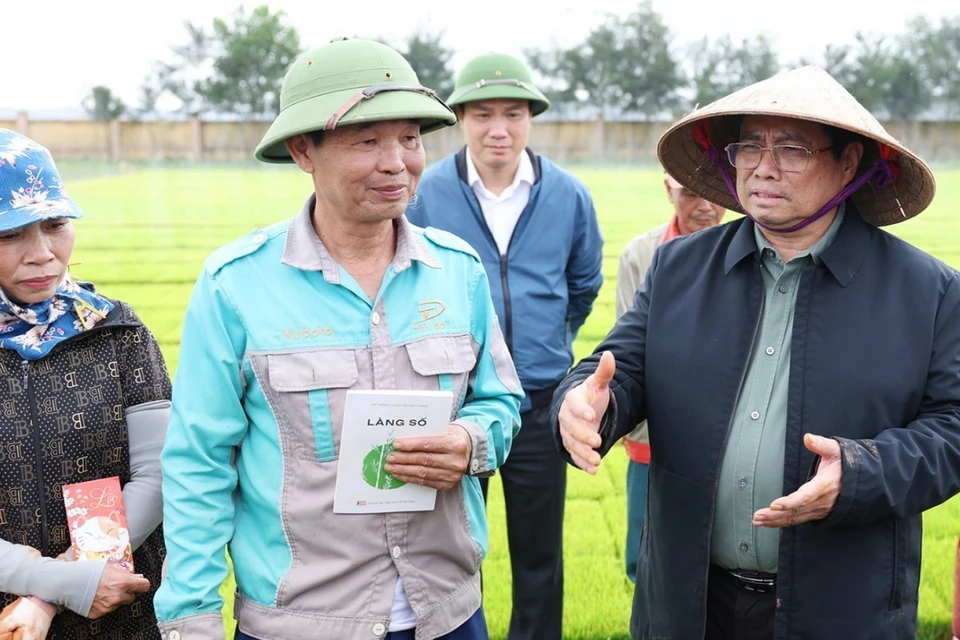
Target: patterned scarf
{"points": [[33, 330]]}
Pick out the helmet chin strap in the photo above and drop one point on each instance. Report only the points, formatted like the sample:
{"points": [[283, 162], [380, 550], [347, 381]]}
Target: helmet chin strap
{"points": [[882, 174]]}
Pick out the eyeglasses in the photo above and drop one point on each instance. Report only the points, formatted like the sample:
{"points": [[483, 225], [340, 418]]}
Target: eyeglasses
{"points": [[787, 157]]}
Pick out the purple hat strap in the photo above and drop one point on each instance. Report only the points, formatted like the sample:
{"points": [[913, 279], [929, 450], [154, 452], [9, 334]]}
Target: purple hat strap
{"points": [[881, 174]]}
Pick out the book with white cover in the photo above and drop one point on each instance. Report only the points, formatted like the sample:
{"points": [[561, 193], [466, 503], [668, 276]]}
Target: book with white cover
{"points": [[372, 420]]}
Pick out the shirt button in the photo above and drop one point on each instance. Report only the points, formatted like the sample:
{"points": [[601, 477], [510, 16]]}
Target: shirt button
{"points": [[742, 482], [379, 629], [783, 288], [475, 465], [174, 635], [755, 415], [375, 318], [260, 237], [770, 351], [744, 547], [396, 552]]}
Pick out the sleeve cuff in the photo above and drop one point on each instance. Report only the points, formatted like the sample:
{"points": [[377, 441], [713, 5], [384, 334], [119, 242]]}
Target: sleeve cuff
{"points": [[69, 583], [608, 426], [479, 463], [205, 626], [848, 483]]}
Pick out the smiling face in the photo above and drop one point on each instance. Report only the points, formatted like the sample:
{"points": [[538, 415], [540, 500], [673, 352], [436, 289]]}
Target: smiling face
{"points": [[496, 132], [33, 259], [363, 173], [780, 199]]}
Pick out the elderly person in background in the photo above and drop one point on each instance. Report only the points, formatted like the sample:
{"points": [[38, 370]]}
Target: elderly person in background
{"points": [[799, 370], [690, 213], [258, 416], [85, 395]]}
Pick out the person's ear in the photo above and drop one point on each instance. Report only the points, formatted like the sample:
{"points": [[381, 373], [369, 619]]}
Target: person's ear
{"points": [[300, 147]]}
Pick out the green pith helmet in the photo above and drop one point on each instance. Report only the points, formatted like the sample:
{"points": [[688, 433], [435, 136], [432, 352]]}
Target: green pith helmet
{"points": [[349, 82], [496, 76]]}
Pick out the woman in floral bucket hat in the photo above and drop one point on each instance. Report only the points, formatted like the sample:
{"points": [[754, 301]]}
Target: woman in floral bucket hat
{"points": [[85, 395]]}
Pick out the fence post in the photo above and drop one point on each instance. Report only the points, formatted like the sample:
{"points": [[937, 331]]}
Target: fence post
{"points": [[196, 139], [956, 596], [599, 150], [23, 123], [115, 149]]}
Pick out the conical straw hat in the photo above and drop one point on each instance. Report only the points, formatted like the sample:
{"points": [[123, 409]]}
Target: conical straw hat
{"points": [[808, 93]]}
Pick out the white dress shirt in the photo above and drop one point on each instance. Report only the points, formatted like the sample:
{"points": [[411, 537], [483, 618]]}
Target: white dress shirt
{"points": [[502, 212]]}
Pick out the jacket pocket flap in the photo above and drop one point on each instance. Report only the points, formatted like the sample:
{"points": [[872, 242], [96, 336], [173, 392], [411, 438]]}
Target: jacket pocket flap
{"points": [[309, 370], [442, 354]]}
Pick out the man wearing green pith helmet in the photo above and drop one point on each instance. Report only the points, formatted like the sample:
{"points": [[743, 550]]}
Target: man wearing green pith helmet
{"points": [[281, 325], [536, 230]]}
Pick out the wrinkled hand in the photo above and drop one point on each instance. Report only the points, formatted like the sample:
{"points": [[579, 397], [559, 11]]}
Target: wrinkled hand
{"points": [[580, 414], [431, 461], [23, 619], [117, 587], [815, 499]]}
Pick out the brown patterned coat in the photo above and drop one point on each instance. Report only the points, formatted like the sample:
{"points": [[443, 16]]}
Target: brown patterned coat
{"points": [[62, 421]]}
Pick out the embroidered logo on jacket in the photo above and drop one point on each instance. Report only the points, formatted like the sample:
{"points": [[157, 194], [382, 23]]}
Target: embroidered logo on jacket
{"points": [[429, 309], [299, 334]]}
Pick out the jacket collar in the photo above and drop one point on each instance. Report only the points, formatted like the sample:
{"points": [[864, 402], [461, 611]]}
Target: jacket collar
{"points": [[461, 161], [305, 251], [843, 258]]}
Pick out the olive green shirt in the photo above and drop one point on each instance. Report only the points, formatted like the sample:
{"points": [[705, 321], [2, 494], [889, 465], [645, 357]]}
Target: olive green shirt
{"points": [[751, 474]]}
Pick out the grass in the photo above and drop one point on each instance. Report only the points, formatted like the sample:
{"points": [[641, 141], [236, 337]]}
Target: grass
{"points": [[148, 231]]}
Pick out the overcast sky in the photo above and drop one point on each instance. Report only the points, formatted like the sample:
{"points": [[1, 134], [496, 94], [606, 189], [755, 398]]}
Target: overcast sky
{"points": [[53, 52]]}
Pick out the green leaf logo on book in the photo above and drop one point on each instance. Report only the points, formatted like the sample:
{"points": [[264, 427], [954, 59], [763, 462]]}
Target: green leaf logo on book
{"points": [[373, 472]]}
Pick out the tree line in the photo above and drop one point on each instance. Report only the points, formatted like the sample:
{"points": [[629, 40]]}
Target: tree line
{"points": [[627, 64]]}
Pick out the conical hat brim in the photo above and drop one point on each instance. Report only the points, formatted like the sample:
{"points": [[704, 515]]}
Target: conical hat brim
{"points": [[808, 93]]}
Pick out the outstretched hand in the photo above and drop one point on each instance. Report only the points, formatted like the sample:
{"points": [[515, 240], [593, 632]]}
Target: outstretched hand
{"points": [[582, 410], [813, 500]]}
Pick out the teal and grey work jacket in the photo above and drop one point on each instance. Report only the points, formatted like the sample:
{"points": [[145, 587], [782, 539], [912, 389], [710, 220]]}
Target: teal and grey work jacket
{"points": [[275, 334]]}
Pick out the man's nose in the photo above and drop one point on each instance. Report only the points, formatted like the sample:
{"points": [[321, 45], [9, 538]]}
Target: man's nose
{"points": [[391, 159]]}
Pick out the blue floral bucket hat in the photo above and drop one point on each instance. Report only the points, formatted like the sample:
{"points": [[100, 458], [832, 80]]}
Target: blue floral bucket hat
{"points": [[30, 185]]}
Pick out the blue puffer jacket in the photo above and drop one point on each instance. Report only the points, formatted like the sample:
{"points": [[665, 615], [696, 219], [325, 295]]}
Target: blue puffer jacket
{"points": [[544, 287]]}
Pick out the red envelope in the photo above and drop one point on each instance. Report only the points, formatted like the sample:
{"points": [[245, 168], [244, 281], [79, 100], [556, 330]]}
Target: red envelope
{"points": [[98, 522]]}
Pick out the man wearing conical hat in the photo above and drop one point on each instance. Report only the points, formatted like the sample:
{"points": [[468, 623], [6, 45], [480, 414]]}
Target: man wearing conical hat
{"points": [[536, 230], [799, 370], [282, 325]]}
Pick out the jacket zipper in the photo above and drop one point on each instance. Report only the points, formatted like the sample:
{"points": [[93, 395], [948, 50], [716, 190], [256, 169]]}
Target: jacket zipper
{"points": [[896, 602], [507, 304], [504, 281], [31, 398], [723, 450]]}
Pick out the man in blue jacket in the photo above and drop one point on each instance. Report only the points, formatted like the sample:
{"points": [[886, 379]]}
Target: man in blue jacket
{"points": [[536, 231], [800, 374]]}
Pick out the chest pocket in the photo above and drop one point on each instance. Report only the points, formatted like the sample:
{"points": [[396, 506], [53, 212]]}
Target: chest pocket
{"points": [[444, 363], [307, 391]]}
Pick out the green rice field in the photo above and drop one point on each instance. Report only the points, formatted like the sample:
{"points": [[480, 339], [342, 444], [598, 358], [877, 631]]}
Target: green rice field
{"points": [[148, 230]]}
